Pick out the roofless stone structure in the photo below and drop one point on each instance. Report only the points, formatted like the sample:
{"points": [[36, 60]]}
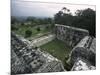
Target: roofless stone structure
{"points": [[25, 59]]}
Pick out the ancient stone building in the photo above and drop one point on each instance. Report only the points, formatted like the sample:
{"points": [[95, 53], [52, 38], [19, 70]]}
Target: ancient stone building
{"points": [[70, 35], [84, 53], [84, 49], [84, 46], [25, 59]]}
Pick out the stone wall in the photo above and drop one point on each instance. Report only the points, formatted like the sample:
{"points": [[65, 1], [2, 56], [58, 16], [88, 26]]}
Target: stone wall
{"points": [[70, 35], [85, 49], [25, 59], [42, 40]]}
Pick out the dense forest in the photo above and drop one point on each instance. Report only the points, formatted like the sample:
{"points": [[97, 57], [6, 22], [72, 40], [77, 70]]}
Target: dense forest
{"points": [[85, 19]]}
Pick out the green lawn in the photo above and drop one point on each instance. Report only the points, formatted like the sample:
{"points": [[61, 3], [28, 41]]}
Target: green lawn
{"points": [[21, 30], [57, 48]]}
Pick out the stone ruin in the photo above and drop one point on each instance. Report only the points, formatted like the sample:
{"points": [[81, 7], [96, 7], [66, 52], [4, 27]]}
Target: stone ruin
{"points": [[25, 59], [82, 65], [70, 35], [85, 51], [84, 46]]}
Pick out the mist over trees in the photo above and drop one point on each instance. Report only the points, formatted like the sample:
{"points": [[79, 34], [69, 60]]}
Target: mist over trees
{"points": [[31, 19], [85, 19], [39, 21]]}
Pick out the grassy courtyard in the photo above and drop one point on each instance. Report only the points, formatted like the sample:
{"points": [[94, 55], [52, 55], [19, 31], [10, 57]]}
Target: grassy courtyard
{"points": [[57, 48]]}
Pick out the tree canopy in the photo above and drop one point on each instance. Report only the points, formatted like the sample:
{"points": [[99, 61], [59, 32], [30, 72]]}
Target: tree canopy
{"points": [[82, 19]]}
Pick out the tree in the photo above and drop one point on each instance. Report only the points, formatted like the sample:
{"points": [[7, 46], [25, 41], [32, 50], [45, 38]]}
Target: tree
{"points": [[63, 18], [13, 20], [38, 29], [30, 19], [65, 9], [86, 19], [14, 27], [58, 17], [28, 33]]}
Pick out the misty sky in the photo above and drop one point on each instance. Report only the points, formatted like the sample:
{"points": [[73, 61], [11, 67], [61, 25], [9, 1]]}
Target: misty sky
{"points": [[33, 8]]}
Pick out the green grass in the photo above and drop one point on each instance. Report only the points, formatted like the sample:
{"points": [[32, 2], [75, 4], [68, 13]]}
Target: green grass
{"points": [[57, 48], [21, 30]]}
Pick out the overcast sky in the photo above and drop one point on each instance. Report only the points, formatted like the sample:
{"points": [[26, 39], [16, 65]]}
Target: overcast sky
{"points": [[35, 8]]}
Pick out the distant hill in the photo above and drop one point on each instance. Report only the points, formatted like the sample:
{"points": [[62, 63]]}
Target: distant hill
{"points": [[23, 18]]}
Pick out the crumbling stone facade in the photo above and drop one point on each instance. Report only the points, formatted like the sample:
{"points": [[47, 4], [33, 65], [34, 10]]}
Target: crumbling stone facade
{"points": [[85, 50], [25, 59], [84, 46], [70, 35]]}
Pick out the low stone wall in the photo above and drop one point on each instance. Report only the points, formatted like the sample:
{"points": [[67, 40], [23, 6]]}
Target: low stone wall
{"points": [[70, 35], [42, 40]]}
